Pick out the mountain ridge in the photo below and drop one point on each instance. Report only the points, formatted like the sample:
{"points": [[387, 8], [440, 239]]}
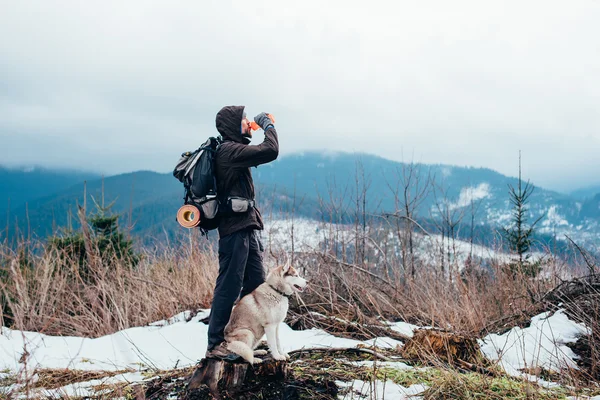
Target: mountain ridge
{"points": [[306, 182]]}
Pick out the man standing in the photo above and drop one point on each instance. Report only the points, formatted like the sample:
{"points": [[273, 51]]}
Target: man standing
{"points": [[240, 251]]}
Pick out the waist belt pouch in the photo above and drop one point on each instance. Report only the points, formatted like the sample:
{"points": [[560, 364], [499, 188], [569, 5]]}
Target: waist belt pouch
{"points": [[239, 204], [210, 208]]}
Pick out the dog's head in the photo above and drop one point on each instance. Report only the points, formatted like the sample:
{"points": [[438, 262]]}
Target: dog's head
{"points": [[289, 277]]}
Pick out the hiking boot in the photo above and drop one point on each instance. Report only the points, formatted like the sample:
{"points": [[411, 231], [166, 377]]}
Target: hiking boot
{"points": [[220, 352]]}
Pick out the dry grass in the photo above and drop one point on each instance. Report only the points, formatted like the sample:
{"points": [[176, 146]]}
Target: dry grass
{"points": [[57, 378], [45, 292], [467, 304]]}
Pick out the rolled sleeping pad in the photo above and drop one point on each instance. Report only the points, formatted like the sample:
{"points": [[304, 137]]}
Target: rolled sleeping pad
{"points": [[188, 216]]}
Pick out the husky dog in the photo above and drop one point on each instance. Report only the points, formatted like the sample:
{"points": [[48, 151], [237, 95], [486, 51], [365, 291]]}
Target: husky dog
{"points": [[262, 311]]}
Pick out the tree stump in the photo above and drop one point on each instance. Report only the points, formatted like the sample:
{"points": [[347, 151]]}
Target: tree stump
{"points": [[429, 345], [225, 378]]}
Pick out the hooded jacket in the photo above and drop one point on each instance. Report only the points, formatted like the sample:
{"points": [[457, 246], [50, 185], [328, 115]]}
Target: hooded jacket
{"points": [[233, 162]]}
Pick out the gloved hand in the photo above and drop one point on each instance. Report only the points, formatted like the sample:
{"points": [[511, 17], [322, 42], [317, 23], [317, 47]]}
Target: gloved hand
{"points": [[263, 121]]}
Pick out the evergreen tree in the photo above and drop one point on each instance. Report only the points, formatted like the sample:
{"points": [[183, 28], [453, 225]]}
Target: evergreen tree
{"points": [[107, 241], [519, 234]]}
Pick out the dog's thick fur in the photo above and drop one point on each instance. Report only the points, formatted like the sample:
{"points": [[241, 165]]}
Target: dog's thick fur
{"points": [[260, 312]]}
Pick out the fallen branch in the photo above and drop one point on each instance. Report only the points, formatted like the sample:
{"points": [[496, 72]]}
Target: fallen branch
{"points": [[584, 254], [341, 350], [476, 368], [353, 330], [505, 324], [570, 290]]}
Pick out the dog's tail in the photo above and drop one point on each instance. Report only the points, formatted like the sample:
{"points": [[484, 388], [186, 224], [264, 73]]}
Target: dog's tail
{"points": [[243, 350]]}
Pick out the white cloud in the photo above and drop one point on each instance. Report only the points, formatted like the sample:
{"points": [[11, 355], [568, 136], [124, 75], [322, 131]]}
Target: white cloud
{"points": [[464, 82]]}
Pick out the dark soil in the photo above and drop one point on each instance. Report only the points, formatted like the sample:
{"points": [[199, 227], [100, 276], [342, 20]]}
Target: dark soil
{"points": [[289, 390]]}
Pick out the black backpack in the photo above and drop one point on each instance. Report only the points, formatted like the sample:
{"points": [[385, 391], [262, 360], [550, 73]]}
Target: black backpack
{"points": [[196, 170]]}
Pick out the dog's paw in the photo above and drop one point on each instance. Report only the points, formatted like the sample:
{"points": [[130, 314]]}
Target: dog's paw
{"points": [[260, 352], [279, 357], [256, 361]]}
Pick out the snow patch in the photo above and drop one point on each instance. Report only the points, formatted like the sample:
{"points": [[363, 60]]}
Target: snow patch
{"points": [[383, 364], [583, 398], [471, 194], [403, 328], [384, 343], [380, 390], [553, 218], [307, 234], [543, 344]]}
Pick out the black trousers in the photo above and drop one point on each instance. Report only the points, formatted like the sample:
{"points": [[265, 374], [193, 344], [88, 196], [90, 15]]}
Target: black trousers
{"points": [[240, 272]]}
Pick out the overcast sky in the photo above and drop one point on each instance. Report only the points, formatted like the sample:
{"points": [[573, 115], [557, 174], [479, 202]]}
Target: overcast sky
{"points": [[117, 86]]}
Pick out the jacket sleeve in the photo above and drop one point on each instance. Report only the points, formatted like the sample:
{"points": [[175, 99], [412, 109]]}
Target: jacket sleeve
{"points": [[253, 155]]}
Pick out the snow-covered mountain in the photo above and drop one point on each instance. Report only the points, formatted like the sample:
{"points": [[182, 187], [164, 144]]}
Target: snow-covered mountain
{"points": [[337, 187], [462, 195]]}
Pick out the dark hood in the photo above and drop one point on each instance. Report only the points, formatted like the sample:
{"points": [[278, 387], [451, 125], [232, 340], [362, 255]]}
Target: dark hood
{"points": [[229, 123]]}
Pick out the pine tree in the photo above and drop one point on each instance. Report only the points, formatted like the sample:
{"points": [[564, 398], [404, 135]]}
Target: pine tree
{"points": [[108, 241], [519, 234]]}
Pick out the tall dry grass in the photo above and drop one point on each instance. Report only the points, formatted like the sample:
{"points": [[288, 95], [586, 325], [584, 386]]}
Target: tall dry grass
{"points": [[363, 273], [44, 290], [470, 303]]}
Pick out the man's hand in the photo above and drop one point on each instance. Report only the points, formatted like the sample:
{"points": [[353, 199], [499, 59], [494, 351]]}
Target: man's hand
{"points": [[264, 120]]}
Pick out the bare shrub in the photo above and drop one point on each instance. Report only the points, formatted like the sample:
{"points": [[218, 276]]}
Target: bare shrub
{"points": [[470, 304]]}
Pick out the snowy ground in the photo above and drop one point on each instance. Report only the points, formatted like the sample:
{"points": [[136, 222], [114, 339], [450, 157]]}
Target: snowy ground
{"points": [[309, 235], [181, 341], [161, 346]]}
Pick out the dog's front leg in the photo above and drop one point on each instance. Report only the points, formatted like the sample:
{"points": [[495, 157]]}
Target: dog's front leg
{"points": [[287, 357], [271, 331]]}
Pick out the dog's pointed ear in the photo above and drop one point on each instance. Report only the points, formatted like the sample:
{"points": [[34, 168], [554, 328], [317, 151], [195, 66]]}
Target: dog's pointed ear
{"points": [[286, 266]]}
